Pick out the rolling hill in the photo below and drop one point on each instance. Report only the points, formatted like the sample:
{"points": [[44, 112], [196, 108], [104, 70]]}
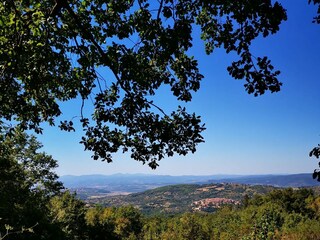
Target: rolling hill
{"points": [[184, 197]]}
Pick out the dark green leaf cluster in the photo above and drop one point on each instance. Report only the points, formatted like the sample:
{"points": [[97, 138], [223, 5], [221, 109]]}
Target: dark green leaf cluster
{"points": [[149, 136], [233, 25]]}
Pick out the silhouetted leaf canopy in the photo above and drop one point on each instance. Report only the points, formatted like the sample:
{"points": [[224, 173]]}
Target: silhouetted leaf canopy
{"points": [[53, 51]]}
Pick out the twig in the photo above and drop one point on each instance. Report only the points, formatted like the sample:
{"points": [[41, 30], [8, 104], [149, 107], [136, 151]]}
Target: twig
{"points": [[159, 10]]}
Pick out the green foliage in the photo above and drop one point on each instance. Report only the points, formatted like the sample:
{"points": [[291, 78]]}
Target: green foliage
{"points": [[100, 223], [265, 227], [275, 215], [114, 223], [68, 214], [307, 229], [9, 230], [26, 184], [153, 227], [291, 201], [52, 51], [267, 220], [32, 206], [224, 224], [184, 227]]}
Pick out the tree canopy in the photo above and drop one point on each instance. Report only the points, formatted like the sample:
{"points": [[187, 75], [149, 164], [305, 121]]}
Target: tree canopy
{"points": [[27, 183], [52, 51]]}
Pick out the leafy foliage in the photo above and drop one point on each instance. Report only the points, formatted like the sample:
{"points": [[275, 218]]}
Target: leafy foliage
{"points": [[10, 231], [111, 223], [53, 51], [27, 182], [279, 214], [68, 214], [266, 220]]}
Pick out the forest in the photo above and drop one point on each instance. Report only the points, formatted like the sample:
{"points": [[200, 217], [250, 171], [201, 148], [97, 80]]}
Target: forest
{"points": [[34, 205]]}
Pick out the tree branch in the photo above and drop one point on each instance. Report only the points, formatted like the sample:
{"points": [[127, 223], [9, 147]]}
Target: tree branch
{"points": [[159, 10]]}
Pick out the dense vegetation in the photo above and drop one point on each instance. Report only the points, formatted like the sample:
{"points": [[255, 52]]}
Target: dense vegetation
{"points": [[34, 206], [280, 214]]}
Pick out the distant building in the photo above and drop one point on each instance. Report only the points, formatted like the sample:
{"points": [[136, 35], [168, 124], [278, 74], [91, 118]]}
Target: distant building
{"points": [[212, 203]]}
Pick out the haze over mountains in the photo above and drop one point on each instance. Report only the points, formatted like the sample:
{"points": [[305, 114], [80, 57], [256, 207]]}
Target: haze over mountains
{"points": [[131, 183]]}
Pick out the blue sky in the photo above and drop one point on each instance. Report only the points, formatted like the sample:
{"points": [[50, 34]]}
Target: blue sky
{"points": [[272, 133]]}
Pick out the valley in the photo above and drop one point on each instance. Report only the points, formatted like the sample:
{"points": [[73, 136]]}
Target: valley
{"points": [[156, 194]]}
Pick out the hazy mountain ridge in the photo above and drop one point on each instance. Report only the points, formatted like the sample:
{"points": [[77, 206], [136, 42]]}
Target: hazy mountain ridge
{"points": [[292, 180], [142, 182], [133, 182]]}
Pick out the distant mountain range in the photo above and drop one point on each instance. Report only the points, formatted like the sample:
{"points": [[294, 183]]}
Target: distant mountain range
{"points": [[133, 182], [130, 183], [292, 180]]}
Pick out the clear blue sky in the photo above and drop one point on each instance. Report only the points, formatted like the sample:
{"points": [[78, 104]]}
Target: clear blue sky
{"points": [[272, 133]]}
